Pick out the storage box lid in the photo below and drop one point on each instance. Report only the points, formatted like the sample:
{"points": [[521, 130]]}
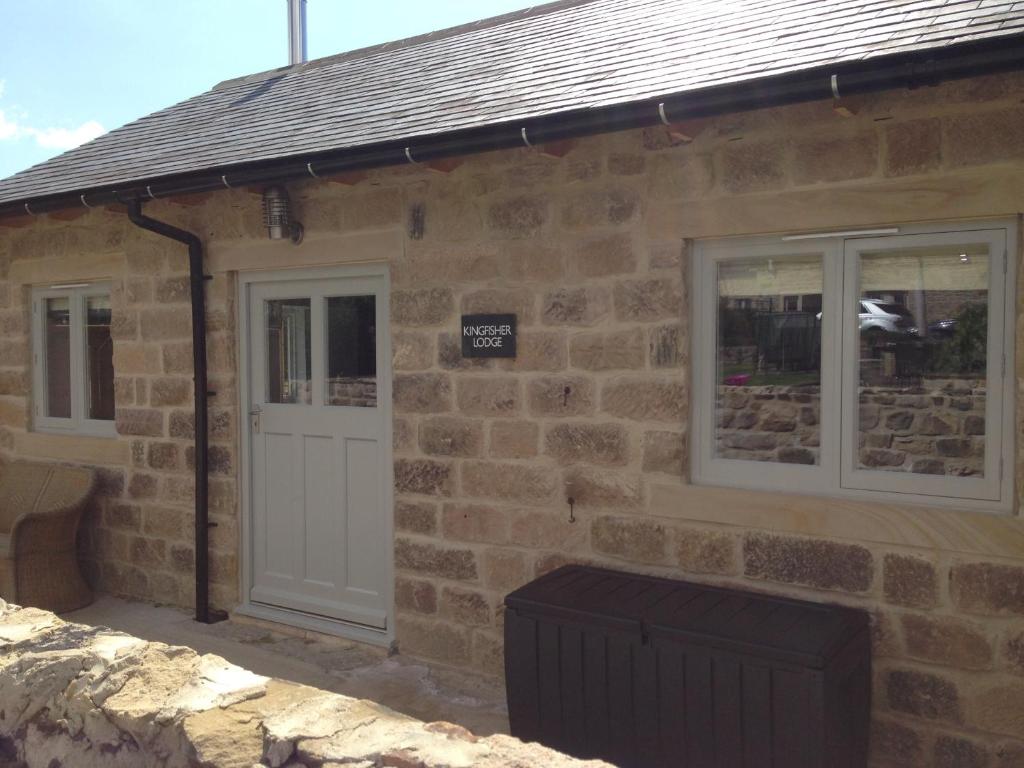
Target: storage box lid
{"points": [[796, 631]]}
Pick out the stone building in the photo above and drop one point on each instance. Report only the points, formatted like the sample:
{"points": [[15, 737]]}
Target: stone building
{"points": [[367, 478]]}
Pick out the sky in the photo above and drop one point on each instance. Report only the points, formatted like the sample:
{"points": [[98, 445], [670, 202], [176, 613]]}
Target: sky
{"points": [[73, 69]]}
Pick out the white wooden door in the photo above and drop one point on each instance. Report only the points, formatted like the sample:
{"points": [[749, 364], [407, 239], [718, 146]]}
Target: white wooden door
{"points": [[318, 448]]}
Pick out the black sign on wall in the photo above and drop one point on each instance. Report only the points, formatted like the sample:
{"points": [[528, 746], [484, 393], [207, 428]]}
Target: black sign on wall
{"points": [[488, 335]]}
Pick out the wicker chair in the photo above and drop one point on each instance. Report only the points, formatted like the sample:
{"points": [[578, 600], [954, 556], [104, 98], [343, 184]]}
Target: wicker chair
{"points": [[40, 507]]}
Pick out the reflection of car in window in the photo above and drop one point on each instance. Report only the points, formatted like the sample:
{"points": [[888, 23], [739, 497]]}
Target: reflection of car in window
{"points": [[880, 316]]}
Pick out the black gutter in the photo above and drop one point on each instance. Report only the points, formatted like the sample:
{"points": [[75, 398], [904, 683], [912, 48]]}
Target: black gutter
{"points": [[200, 393], [908, 70]]}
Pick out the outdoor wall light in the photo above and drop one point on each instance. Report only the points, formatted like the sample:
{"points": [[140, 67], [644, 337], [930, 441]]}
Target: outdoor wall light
{"points": [[277, 216]]}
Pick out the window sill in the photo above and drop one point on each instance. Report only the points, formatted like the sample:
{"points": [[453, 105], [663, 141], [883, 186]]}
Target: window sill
{"points": [[72, 447], [980, 533]]}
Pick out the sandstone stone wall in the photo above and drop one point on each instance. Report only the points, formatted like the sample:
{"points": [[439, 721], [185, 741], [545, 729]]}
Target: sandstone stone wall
{"points": [[586, 243], [83, 696]]}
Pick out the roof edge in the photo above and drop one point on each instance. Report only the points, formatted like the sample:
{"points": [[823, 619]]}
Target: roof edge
{"points": [[903, 70]]}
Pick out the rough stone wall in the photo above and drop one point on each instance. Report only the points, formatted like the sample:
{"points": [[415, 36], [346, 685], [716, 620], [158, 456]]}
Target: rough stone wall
{"points": [[87, 696], [586, 244]]}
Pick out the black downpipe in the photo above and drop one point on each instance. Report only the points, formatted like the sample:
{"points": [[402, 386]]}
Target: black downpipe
{"points": [[201, 392]]}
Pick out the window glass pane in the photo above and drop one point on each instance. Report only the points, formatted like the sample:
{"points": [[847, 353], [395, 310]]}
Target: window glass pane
{"points": [[99, 359], [288, 351], [351, 351], [768, 359], [57, 343], [923, 320]]}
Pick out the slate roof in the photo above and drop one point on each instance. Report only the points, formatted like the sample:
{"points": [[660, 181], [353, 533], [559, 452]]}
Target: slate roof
{"points": [[553, 58]]}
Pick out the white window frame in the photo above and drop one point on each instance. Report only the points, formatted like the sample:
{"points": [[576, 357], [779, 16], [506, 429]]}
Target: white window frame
{"points": [[77, 424], [837, 473]]}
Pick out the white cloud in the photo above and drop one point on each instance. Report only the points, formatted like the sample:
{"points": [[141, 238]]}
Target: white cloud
{"points": [[8, 128], [66, 138], [49, 138]]}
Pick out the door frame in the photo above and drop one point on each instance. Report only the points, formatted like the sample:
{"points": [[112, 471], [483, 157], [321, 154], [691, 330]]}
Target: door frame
{"points": [[292, 618]]}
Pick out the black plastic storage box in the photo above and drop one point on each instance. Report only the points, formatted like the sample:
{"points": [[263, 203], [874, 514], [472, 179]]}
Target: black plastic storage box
{"points": [[647, 672]]}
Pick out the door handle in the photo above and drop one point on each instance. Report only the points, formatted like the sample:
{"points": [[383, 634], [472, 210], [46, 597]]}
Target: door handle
{"points": [[254, 419]]}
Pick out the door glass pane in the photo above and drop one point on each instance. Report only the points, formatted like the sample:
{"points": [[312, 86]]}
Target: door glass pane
{"points": [[768, 359], [923, 320], [58, 357], [351, 351], [289, 324], [99, 359]]}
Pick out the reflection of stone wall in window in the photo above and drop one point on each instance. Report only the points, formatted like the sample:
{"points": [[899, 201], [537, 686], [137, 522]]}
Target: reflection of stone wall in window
{"points": [[352, 392], [769, 423], [934, 429]]}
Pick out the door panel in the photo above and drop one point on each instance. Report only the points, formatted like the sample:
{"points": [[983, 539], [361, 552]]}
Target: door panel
{"points": [[318, 448]]}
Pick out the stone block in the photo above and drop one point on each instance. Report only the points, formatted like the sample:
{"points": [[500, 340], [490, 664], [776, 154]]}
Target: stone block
{"points": [[451, 436], [164, 324], [165, 456], [504, 569], [532, 261], [433, 640], [633, 539], [667, 346], [518, 217], [516, 301], [424, 476], [923, 695], [913, 147], [538, 351], [169, 524], [148, 553], [1013, 651], [665, 255], [601, 488], [425, 306], [811, 562], [999, 709], [142, 486], [576, 306], [513, 439], [664, 452], [170, 391], [703, 551], [465, 607], [142, 422], [487, 396], [894, 745], [403, 434], [542, 528], [753, 167], [839, 158], [603, 444], [173, 290], [988, 589], [474, 522], [422, 392], [124, 326], [909, 581], [645, 301], [954, 752], [604, 256], [607, 351], [14, 383], [507, 481], [415, 595], [416, 517], [982, 137], [412, 350], [595, 207], [946, 640], [643, 399], [449, 355], [430, 559]]}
